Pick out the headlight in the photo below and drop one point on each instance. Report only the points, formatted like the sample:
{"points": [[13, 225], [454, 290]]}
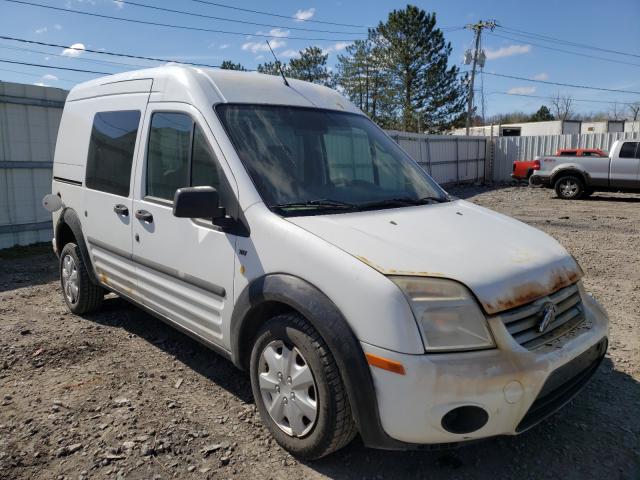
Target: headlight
{"points": [[447, 314]]}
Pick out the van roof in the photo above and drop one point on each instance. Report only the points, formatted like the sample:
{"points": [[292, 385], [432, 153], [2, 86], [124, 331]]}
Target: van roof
{"points": [[180, 83]]}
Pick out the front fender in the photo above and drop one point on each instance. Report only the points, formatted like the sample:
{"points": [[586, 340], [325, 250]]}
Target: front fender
{"points": [[70, 218], [325, 317]]}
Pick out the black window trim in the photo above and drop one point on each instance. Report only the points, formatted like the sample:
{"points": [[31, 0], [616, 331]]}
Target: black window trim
{"points": [[135, 147]]}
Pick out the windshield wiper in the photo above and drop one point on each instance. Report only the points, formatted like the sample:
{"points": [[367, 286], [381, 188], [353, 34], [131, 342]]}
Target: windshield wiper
{"points": [[400, 202], [320, 203]]}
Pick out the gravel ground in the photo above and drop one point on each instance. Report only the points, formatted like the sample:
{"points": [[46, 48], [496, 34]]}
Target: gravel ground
{"points": [[118, 394]]}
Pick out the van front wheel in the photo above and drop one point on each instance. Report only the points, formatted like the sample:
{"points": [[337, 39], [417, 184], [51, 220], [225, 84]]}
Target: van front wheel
{"points": [[80, 295], [298, 389]]}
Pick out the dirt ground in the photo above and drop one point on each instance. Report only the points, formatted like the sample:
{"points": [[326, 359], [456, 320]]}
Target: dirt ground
{"points": [[118, 394]]}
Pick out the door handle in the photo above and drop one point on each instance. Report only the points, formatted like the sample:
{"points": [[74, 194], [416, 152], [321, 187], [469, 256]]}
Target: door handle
{"points": [[144, 216], [121, 210]]}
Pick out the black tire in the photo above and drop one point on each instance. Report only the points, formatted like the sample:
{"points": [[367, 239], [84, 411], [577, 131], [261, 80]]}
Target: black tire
{"points": [[89, 296], [569, 187], [588, 192], [334, 427]]}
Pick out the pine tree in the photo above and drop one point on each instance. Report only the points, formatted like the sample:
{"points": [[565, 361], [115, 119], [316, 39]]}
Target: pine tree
{"points": [[229, 65], [271, 68], [542, 115], [426, 93], [311, 66]]}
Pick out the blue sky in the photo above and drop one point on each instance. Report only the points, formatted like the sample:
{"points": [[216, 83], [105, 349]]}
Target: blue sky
{"points": [[614, 25]]}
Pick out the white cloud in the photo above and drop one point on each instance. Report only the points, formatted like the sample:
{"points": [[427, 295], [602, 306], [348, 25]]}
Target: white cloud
{"points": [[40, 84], [509, 51], [288, 53], [276, 32], [119, 5], [49, 77], [521, 90], [57, 26], [40, 31], [255, 47], [224, 46], [301, 15], [74, 51], [541, 76], [341, 46]]}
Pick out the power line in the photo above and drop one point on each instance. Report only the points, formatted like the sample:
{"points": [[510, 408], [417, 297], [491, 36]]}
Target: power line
{"points": [[245, 22], [566, 42], [271, 14], [567, 51], [560, 84], [169, 25], [102, 62], [37, 75], [104, 52], [549, 98], [39, 65]]}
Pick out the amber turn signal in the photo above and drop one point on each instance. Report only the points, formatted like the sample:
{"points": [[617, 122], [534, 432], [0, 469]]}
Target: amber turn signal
{"points": [[385, 363]]}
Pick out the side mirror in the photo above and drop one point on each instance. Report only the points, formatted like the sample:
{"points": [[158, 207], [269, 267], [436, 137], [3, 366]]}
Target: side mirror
{"points": [[52, 202], [197, 202]]}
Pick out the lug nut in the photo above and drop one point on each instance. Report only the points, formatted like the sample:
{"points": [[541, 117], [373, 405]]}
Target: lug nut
{"points": [[285, 401], [293, 395], [277, 388], [289, 380]]}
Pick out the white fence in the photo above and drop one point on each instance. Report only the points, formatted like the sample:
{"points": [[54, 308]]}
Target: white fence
{"points": [[448, 159], [509, 149]]}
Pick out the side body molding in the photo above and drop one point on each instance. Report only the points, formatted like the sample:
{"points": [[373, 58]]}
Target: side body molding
{"points": [[325, 317]]}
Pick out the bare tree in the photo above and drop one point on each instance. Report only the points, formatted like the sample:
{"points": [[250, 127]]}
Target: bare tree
{"points": [[615, 111], [634, 108], [563, 106]]}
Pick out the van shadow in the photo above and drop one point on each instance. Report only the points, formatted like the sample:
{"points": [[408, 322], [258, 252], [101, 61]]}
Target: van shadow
{"points": [[606, 198], [119, 313]]}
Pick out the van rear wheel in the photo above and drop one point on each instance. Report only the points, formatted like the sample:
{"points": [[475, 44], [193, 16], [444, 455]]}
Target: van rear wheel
{"points": [[298, 389], [569, 187], [80, 295]]}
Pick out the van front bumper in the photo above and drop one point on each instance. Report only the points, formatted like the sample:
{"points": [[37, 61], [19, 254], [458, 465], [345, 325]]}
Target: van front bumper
{"points": [[514, 387]]}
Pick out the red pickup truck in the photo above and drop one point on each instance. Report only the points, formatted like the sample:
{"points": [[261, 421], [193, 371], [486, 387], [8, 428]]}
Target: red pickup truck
{"points": [[522, 169]]}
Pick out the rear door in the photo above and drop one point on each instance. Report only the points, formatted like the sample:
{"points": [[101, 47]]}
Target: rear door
{"points": [[185, 266], [108, 196], [625, 166]]}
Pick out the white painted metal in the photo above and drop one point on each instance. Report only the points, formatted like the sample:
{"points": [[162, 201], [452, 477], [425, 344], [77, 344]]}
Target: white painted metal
{"points": [[346, 256]]}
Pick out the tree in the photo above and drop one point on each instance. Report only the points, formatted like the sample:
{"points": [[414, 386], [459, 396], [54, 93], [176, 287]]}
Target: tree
{"points": [[634, 109], [229, 65], [562, 104], [363, 80], [427, 94], [311, 66], [542, 115], [615, 111], [271, 68]]}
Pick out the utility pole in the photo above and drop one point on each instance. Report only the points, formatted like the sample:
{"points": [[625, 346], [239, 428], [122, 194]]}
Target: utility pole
{"points": [[477, 28]]}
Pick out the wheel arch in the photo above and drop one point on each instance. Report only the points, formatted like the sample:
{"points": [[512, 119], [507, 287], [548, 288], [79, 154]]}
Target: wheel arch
{"points": [[69, 229], [567, 171], [272, 294]]}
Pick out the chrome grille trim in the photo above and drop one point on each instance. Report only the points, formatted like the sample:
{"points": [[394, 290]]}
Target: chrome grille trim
{"points": [[522, 323]]}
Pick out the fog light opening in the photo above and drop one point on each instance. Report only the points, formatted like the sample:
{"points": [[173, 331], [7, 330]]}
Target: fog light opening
{"points": [[465, 419]]}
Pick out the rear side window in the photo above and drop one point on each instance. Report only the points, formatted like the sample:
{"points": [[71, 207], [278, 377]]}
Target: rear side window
{"points": [[113, 140], [628, 149], [568, 153], [178, 156]]}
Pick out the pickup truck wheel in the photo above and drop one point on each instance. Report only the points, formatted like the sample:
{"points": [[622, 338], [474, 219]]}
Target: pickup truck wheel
{"points": [[298, 389], [569, 187], [80, 295]]}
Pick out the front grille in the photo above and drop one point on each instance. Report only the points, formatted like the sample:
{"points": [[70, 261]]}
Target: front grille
{"points": [[523, 323], [563, 384]]}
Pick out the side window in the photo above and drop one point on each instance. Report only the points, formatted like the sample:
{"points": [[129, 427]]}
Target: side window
{"points": [[168, 154], [178, 156], [113, 140], [628, 149]]}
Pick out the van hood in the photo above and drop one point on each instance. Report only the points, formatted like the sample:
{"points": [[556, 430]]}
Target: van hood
{"points": [[504, 262]]}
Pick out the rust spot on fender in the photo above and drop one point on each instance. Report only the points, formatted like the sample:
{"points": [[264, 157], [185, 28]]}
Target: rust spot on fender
{"points": [[529, 291], [103, 278]]}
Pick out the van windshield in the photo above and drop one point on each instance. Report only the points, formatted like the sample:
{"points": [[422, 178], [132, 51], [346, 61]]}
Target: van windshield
{"points": [[307, 161]]}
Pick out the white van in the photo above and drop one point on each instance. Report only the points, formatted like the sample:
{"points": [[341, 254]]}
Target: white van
{"points": [[278, 225]]}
